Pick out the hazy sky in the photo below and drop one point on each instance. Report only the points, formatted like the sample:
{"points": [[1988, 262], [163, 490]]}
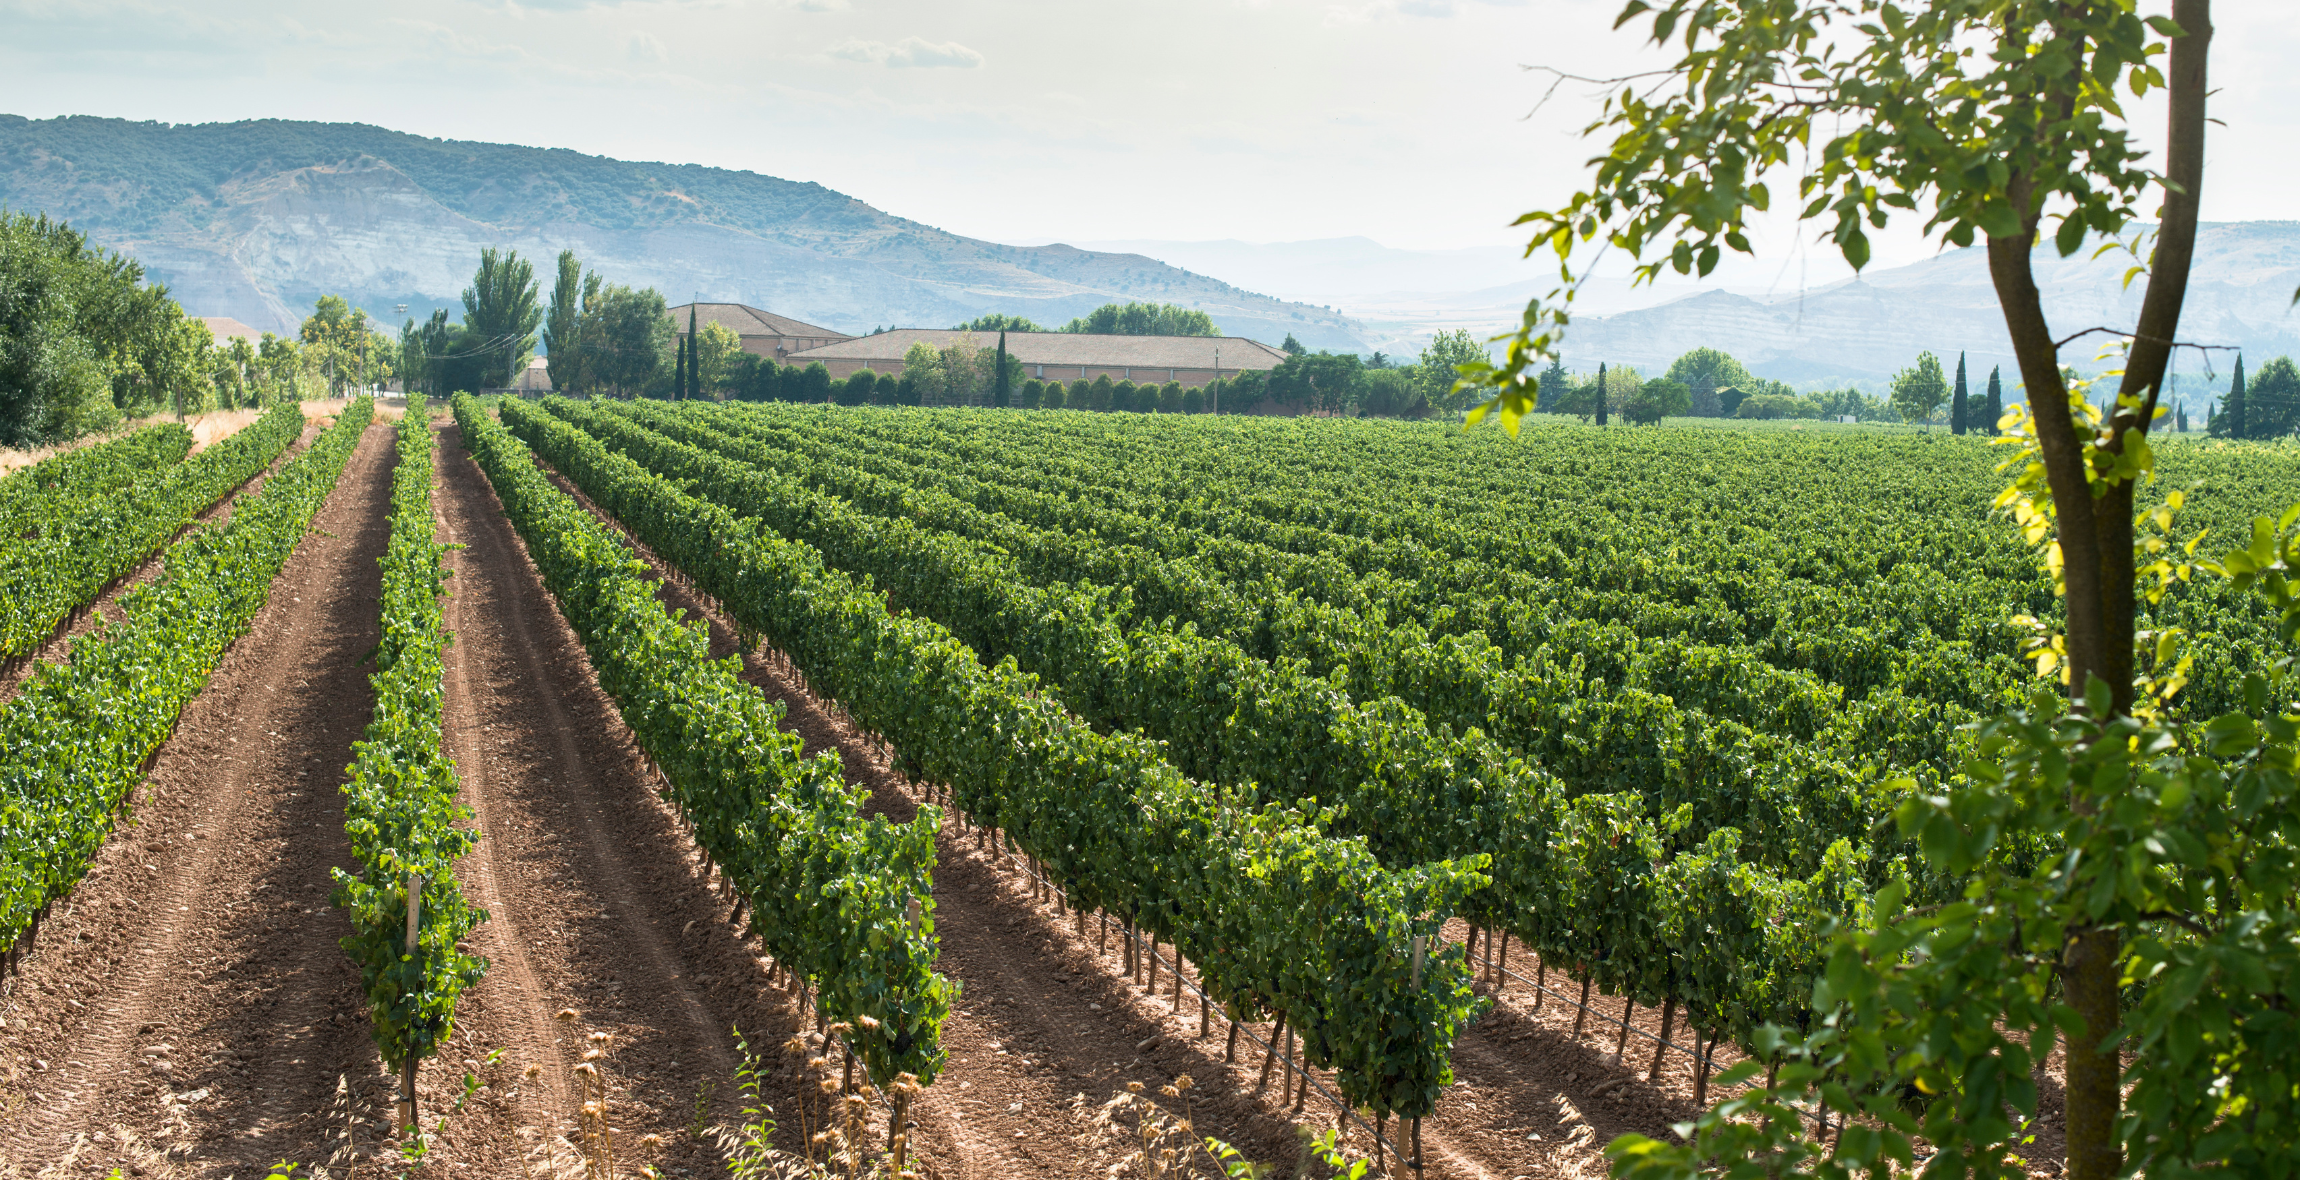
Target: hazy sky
{"points": [[1265, 120]]}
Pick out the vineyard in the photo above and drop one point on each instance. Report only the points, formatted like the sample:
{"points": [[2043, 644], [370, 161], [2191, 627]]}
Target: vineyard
{"points": [[606, 785]]}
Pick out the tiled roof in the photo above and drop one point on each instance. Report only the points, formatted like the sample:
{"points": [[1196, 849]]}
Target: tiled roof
{"points": [[745, 320], [224, 327], [1064, 348]]}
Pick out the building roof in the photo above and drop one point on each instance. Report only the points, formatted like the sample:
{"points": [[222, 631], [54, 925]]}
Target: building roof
{"points": [[1064, 348], [745, 320], [224, 327]]}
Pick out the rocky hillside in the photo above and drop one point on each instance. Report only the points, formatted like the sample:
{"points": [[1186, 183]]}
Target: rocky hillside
{"points": [[255, 220]]}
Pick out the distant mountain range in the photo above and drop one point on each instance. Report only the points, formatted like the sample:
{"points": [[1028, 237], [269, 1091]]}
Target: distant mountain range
{"points": [[1854, 331], [1862, 330], [256, 220]]}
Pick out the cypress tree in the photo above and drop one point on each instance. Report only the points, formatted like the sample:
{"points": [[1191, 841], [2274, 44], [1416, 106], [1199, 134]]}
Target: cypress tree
{"points": [[2234, 406], [678, 375], [1996, 401], [694, 371], [1957, 400], [999, 394], [1601, 393]]}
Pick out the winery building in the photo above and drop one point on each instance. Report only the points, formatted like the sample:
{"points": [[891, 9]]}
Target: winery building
{"points": [[1061, 356], [763, 333]]}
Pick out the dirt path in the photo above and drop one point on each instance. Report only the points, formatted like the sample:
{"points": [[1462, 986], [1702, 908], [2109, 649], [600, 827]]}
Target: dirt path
{"points": [[188, 1012], [1048, 1028], [602, 920]]}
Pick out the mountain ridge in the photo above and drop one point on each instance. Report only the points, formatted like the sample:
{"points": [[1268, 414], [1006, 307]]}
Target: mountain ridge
{"points": [[255, 219]]}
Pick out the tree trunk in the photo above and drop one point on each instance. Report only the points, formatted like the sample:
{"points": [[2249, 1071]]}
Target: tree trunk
{"points": [[2096, 535]]}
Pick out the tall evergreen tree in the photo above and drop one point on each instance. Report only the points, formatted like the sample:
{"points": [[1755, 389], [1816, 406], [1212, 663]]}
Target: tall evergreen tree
{"points": [[2233, 407], [679, 373], [999, 395], [1957, 399], [1996, 408], [1552, 387], [694, 389], [1601, 393]]}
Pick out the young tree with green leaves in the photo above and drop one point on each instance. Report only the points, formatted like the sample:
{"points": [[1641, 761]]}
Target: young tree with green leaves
{"points": [[1439, 366], [1292, 347], [2003, 121], [1919, 390], [1142, 319], [923, 377], [2272, 400], [1705, 372], [500, 316], [1000, 322]]}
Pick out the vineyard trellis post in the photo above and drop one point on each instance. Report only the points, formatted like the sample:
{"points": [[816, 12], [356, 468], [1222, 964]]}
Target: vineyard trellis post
{"points": [[407, 1112]]}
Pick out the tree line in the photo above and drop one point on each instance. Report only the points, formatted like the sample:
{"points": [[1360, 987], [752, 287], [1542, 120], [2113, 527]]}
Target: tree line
{"points": [[87, 343], [1711, 383]]}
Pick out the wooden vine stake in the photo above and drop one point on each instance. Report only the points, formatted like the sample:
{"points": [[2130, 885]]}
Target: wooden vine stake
{"points": [[1668, 1018], [407, 1067]]}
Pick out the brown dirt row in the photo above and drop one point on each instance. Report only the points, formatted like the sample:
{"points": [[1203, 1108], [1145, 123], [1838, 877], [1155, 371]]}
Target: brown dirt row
{"points": [[187, 1011]]}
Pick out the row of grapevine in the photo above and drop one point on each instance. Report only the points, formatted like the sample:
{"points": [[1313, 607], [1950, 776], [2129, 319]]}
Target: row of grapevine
{"points": [[1591, 880], [38, 497], [44, 579], [1229, 716], [1849, 624], [1280, 916], [400, 812], [1587, 699], [75, 742], [844, 899], [1868, 560]]}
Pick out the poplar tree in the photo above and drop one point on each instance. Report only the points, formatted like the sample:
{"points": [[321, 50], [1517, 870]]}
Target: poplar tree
{"points": [[563, 325], [694, 387], [1957, 415], [998, 396], [2234, 406]]}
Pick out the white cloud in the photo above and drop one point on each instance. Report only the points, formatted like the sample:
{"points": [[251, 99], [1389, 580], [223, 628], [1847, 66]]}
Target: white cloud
{"points": [[909, 53], [819, 5], [645, 49]]}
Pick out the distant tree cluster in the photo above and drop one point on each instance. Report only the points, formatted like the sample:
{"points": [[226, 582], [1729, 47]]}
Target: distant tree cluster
{"points": [[2267, 406], [1710, 383], [1142, 319], [85, 342]]}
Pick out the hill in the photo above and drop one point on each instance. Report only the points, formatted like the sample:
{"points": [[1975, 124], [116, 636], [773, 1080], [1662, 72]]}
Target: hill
{"points": [[1862, 330], [256, 219]]}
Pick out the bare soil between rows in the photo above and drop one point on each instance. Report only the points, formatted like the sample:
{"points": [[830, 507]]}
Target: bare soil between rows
{"points": [[189, 1013]]}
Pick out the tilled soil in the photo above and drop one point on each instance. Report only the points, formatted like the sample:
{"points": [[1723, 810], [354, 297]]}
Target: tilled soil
{"points": [[187, 1010], [190, 1014]]}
